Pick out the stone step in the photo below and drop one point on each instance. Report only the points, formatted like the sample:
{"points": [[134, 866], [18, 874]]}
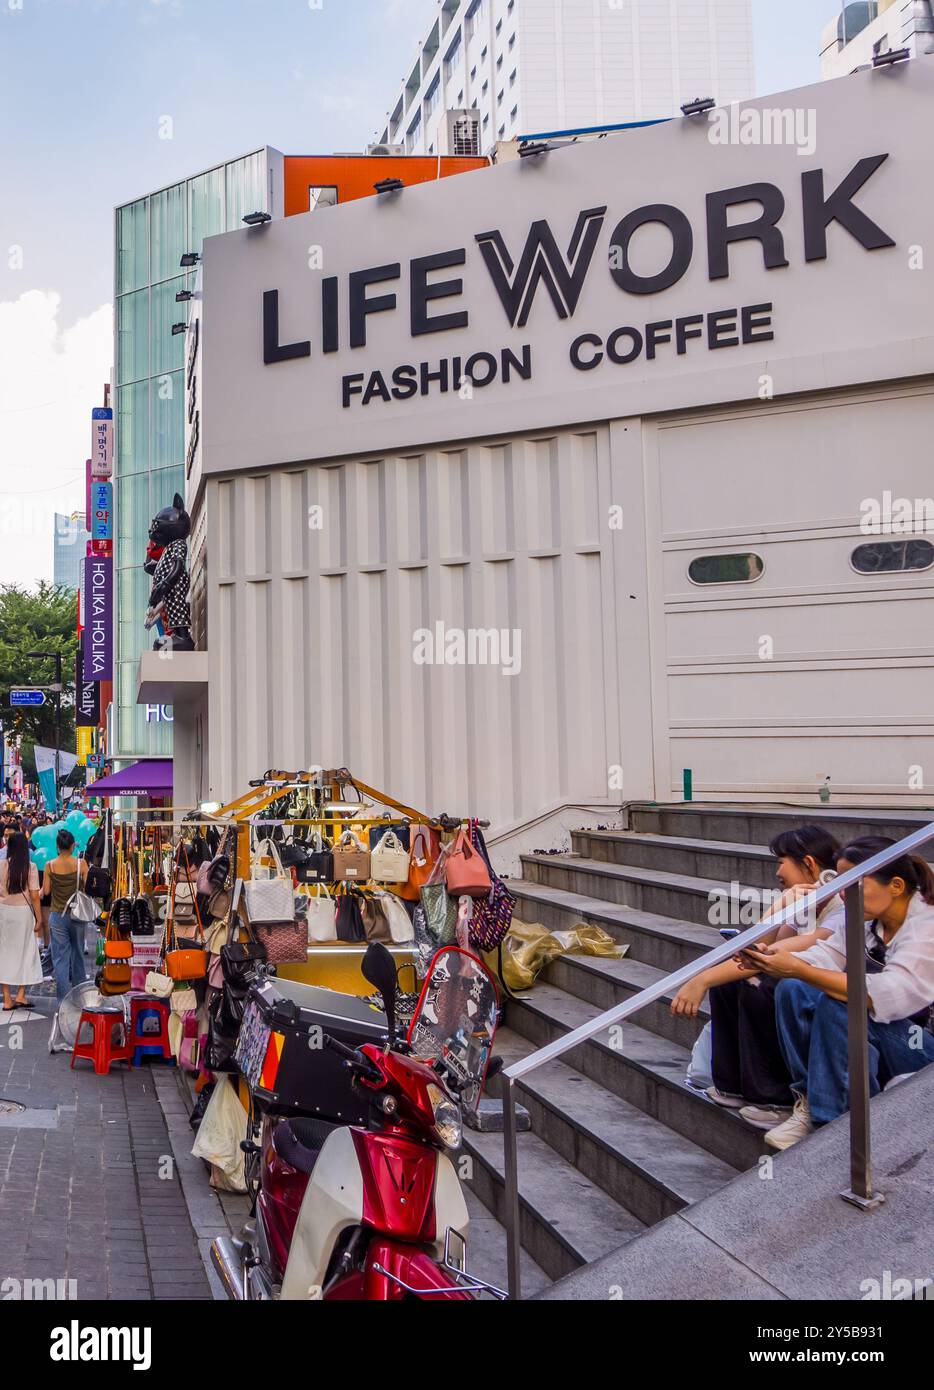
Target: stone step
{"points": [[605, 983], [653, 938], [566, 1220], [640, 1067], [638, 1161], [681, 896], [712, 859], [486, 1251], [757, 825]]}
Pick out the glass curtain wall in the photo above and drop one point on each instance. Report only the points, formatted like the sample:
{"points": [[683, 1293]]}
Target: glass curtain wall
{"points": [[151, 236]]}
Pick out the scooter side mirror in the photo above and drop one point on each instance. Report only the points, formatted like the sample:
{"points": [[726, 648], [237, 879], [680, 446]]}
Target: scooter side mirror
{"points": [[379, 969]]}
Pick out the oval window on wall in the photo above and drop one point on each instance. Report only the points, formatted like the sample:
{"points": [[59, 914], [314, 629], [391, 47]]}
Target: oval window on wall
{"points": [[892, 557], [743, 568]]}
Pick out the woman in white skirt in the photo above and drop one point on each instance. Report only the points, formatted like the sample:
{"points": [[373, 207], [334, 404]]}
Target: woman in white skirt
{"points": [[20, 923]]}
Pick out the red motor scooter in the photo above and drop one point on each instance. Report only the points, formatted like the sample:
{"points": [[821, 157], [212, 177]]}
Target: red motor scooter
{"points": [[377, 1213]]}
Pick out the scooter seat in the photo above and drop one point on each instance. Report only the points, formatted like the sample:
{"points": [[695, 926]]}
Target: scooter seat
{"points": [[298, 1141]]}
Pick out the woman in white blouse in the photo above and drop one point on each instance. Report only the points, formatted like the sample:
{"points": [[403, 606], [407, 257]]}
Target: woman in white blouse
{"points": [[810, 1001], [20, 922]]}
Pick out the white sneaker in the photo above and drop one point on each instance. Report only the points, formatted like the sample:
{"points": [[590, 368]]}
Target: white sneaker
{"points": [[766, 1116], [799, 1126], [724, 1098]]}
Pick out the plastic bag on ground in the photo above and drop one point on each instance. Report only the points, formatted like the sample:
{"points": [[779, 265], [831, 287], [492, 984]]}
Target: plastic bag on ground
{"points": [[528, 947], [218, 1139]]}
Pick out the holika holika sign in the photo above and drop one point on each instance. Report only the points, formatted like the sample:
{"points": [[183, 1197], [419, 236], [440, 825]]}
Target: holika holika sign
{"points": [[98, 618], [428, 295]]}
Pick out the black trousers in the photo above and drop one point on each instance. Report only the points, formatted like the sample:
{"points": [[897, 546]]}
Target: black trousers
{"points": [[747, 1059]]}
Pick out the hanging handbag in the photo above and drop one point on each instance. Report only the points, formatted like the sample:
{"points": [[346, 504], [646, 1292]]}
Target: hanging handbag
{"points": [[466, 870], [80, 905], [116, 978], [348, 918], [318, 864], [98, 883], [389, 861], [188, 962], [321, 916], [286, 943], [351, 859], [492, 915], [293, 853], [401, 830], [182, 1001], [422, 857], [400, 925], [375, 921], [269, 900], [158, 984]]}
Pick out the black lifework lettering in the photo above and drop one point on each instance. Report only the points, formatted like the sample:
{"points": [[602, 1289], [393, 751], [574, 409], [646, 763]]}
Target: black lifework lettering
{"points": [[721, 235], [691, 326], [488, 360], [716, 330], [623, 358], [421, 293], [820, 211], [351, 386], [682, 249], [427, 376], [522, 366], [404, 383], [330, 322], [757, 323], [655, 335], [273, 350], [586, 340], [563, 277], [361, 306]]}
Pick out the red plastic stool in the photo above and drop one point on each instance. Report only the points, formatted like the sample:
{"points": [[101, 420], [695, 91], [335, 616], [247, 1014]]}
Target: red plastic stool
{"points": [[102, 1050], [149, 1044]]}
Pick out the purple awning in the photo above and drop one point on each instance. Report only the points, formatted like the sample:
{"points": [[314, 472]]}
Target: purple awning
{"points": [[150, 777]]}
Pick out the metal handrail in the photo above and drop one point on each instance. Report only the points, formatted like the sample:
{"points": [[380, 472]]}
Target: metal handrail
{"points": [[850, 885]]}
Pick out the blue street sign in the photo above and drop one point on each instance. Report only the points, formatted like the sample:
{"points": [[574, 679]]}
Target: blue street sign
{"points": [[27, 697]]}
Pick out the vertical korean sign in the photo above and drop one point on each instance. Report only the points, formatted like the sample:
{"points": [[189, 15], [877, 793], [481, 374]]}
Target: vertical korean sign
{"points": [[98, 618], [102, 442]]}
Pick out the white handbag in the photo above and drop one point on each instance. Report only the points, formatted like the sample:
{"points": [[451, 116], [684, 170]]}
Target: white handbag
{"points": [[389, 861], [159, 984], [322, 915], [269, 900], [401, 927], [79, 905]]}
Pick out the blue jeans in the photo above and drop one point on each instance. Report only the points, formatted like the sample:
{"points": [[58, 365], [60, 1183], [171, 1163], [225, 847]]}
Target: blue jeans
{"points": [[67, 952], [812, 1033]]}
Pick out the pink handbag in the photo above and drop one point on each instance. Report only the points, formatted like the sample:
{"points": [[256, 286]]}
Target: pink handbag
{"points": [[465, 870]]}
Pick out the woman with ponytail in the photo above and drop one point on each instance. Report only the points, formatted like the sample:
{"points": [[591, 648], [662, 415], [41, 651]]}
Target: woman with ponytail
{"points": [[810, 1001]]}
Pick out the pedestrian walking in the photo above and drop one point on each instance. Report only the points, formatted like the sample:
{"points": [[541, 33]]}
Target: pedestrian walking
{"points": [[65, 875], [20, 923]]}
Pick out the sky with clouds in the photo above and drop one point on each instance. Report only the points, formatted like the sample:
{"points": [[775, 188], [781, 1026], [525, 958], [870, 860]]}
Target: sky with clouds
{"points": [[85, 86]]}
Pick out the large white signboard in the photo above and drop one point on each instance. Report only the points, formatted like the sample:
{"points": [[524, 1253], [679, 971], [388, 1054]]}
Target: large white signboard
{"points": [[771, 249]]}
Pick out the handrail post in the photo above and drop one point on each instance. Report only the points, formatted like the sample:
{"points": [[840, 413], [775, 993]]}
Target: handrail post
{"points": [[859, 1193], [511, 1191]]}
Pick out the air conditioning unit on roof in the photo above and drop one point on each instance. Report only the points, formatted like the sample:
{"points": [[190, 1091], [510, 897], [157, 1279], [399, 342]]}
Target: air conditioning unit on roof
{"points": [[385, 149], [460, 133]]}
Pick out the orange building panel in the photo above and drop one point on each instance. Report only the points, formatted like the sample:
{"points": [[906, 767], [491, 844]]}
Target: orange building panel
{"points": [[354, 176]]}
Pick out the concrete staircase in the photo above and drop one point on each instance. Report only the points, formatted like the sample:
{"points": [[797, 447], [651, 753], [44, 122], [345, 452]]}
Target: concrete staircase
{"points": [[618, 1141]]}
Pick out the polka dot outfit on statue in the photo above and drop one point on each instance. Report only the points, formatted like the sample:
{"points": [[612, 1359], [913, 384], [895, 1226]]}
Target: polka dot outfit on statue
{"points": [[175, 603]]}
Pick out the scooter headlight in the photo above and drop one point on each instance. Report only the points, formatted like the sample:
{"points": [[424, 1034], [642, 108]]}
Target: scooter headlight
{"points": [[447, 1115]]}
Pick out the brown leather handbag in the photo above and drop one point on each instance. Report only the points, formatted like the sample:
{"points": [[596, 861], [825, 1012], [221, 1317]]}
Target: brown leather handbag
{"points": [[375, 921], [422, 856], [351, 859]]}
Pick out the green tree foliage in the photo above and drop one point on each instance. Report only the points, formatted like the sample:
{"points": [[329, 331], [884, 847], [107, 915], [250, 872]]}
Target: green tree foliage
{"points": [[40, 620]]}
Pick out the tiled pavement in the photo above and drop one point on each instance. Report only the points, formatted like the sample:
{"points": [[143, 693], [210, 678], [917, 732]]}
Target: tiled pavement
{"points": [[90, 1189]]}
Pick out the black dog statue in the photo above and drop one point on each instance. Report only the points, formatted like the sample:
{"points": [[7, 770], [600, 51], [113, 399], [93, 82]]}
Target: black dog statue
{"points": [[167, 562]]}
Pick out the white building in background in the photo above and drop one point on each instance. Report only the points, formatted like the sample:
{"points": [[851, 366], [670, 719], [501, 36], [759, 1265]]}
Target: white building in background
{"points": [[862, 30], [491, 70], [671, 504]]}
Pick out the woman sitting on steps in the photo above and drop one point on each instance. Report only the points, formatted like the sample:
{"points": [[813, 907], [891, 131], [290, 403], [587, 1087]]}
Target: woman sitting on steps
{"points": [[748, 1069], [811, 994]]}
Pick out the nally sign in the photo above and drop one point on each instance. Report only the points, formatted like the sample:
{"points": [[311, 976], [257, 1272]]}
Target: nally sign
{"points": [[437, 298]]}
